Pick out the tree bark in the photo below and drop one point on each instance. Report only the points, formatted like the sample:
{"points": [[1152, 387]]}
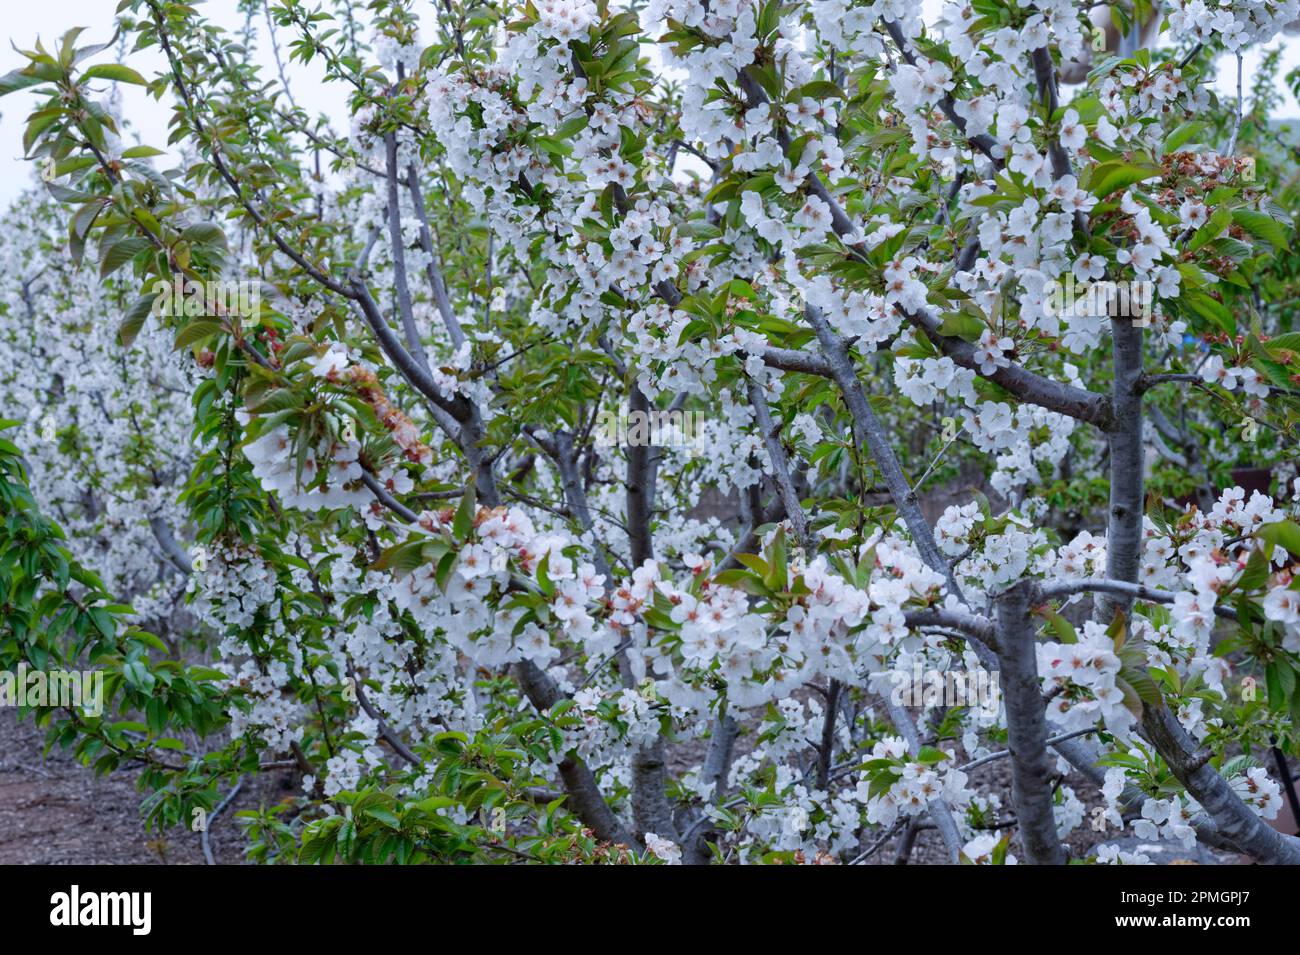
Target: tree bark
{"points": [[1031, 768], [1124, 520], [585, 799]]}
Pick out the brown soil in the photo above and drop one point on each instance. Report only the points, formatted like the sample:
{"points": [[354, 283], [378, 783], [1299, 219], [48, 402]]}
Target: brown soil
{"points": [[54, 811]]}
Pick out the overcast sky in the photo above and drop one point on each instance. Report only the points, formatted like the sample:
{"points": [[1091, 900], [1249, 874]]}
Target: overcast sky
{"points": [[26, 20]]}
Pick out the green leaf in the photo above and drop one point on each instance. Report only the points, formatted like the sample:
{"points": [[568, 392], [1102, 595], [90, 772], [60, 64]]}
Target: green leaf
{"points": [[570, 127], [1256, 573], [1281, 343], [85, 217], [1110, 176], [1282, 534], [552, 146], [1181, 135], [402, 558], [1210, 309], [134, 320], [116, 72], [16, 80], [464, 521], [115, 255], [195, 332], [138, 676], [386, 817], [65, 194], [277, 399], [930, 755], [1212, 229], [141, 152], [205, 233], [741, 580], [544, 578], [1063, 629], [1261, 226], [818, 89], [1280, 680], [962, 325], [739, 288]]}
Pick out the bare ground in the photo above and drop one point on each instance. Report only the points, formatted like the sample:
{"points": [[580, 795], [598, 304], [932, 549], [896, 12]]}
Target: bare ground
{"points": [[54, 811]]}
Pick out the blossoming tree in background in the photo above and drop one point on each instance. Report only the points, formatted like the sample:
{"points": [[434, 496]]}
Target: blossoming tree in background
{"points": [[477, 630]]}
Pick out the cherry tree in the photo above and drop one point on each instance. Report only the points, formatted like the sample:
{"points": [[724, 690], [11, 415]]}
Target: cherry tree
{"points": [[106, 430], [860, 250]]}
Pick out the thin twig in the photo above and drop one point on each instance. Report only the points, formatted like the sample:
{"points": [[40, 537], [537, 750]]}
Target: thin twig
{"points": [[203, 834]]}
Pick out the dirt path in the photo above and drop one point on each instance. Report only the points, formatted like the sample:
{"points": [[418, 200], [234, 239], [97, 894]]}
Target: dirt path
{"points": [[55, 811]]}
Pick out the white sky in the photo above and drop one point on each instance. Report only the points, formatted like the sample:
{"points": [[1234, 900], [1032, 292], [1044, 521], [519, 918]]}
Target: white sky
{"points": [[48, 19]]}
